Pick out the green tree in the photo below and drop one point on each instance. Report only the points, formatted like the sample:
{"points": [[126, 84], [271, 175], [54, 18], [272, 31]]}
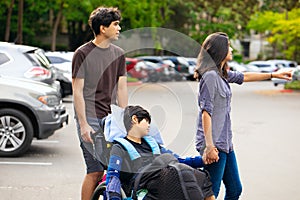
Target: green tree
{"points": [[287, 31], [281, 32]]}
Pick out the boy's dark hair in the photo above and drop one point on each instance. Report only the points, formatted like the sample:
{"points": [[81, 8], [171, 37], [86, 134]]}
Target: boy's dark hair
{"points": [[103, 16], [139, 112]]}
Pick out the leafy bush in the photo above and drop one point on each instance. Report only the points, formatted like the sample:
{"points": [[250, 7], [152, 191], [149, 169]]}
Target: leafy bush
{"points": [[294, 85]]}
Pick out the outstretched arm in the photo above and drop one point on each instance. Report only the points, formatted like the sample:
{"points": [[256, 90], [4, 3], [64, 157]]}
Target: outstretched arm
{"points": [[252, 76], [194, 162]]}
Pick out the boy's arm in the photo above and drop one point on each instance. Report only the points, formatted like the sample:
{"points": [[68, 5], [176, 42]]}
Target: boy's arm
{"points": [[113, 183], [194, 162]]}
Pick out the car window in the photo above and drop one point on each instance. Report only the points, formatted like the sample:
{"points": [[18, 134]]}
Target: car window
{"points": [[262, 65], [38, 57], [279, 65], [3, 58], [55, 59]]}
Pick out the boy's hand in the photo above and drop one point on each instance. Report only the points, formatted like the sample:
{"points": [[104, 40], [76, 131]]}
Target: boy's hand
{"points": [[211, 155]]}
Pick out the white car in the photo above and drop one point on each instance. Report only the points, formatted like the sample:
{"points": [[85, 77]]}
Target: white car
{"points": [[235, 66], [277, 81], [192, 65], [62, 61], [266, 66], [284, 63]]}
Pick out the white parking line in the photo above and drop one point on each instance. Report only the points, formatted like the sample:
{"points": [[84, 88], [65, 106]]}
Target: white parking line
{"points": [[46, 141], [27, 163]]}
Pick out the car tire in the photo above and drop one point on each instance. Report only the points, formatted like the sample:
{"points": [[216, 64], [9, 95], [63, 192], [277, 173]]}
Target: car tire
{"points": [[16, 132], [153, 78]]}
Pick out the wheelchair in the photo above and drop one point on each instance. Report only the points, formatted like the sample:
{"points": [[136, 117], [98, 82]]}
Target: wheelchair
{"points": [[100, 190]]}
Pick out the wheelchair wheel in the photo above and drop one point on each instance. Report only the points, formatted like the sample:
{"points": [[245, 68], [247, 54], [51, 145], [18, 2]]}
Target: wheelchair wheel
{"points": [[99, 192]]}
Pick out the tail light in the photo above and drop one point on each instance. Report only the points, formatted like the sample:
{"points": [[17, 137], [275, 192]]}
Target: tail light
{"points": [[179, 67], [38, 73]]}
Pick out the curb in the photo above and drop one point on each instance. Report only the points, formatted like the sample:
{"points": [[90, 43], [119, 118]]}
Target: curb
{"points": [[286, 91]]}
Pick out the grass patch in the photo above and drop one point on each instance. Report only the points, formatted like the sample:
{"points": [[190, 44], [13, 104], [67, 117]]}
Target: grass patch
{"points": [[294, 85], [130, 79]]}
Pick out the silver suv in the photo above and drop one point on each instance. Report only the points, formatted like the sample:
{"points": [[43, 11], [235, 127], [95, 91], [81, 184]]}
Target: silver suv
{"points": [[28, 109], [27, 62]]}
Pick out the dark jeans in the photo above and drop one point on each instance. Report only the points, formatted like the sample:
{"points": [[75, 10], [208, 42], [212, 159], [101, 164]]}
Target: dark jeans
{"points": [[225, 170]]}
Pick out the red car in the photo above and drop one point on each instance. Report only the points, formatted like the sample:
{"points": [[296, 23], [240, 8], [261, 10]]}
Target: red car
{"points": [[133, 72]]}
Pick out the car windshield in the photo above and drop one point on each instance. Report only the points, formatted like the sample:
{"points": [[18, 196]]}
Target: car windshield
{"points": [[183, 61], [38, 57], [262, 65]]}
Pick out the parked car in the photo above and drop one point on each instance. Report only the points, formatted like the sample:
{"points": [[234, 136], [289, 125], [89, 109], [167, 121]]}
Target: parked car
{"points": [[277, 81], [133, 72], [181, 64], [174, 75], [192, 65], [28, 109], [251, 68], [284, 63], [295, 75], [156, 71], [62, 61], [167, 67], [265, 66], [235, 66], [27, 62]]}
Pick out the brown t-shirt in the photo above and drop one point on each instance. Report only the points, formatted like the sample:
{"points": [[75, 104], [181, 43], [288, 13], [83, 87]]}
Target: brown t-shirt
{"points": [[100, 68]]}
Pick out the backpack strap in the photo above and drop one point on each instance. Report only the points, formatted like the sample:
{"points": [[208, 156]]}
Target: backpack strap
{"points": [[133, 154], [153, 144]]}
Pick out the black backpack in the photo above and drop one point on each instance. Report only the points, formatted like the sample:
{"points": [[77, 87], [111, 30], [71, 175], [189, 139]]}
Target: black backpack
{"points": [[167, 179]]}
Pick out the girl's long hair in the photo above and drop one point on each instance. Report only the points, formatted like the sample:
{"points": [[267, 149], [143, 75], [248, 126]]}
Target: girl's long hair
{"points": [[213, 52]]}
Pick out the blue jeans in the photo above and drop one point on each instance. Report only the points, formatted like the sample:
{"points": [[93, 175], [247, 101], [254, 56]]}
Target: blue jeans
{"points": [[225, 170]]}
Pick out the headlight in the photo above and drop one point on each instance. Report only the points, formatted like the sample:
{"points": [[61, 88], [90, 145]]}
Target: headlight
{"points": [[49, 100]]}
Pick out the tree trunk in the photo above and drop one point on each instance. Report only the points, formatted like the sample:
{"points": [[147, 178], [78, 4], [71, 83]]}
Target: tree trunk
{"points": [[19, 39], [55, 28], [7, 28]]}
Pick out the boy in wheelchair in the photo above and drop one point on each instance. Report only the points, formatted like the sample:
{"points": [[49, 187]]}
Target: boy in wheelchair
{"points": [[125, 163]]}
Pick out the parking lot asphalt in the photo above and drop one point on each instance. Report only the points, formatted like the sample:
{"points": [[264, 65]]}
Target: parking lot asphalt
{"points": [[266, 135]]}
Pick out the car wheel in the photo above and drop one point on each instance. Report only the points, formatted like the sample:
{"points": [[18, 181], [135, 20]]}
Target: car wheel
{"points": [[16, 132], [153, 78]]}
